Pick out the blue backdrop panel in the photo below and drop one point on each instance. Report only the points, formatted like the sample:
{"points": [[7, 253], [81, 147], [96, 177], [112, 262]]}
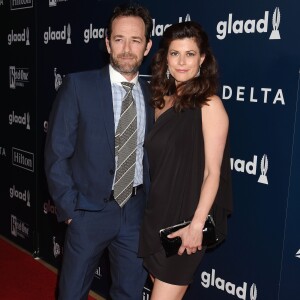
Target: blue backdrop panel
{"points": [[257, 46], [290, 272]]}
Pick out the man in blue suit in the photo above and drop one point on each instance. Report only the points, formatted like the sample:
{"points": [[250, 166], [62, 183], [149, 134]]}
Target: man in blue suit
{"points": [[80, 163]]}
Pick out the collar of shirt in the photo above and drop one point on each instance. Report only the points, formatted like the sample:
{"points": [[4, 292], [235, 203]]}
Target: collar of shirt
{"points": [[116, 77]]}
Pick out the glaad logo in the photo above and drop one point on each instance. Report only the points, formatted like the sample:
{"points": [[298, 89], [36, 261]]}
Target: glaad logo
{"points": [[94, 33], [98, 272], [23, 159], [250, 167], [57, 79], [298, 254], [19, 37], [2, 151], [252, 95], [22, 120], [56, 248], [24, 196], [146, 293], [20, 4], [18, 227], [250, 26], [159, 29], [49, 208], [58, 35], [18, 77], [228, 287], [45, 126]]}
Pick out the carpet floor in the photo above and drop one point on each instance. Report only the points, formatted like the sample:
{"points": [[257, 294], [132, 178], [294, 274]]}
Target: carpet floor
{"points": [[24, 278]]}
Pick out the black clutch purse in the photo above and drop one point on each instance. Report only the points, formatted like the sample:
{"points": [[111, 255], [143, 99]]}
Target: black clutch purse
{"points": [[171, 246]]}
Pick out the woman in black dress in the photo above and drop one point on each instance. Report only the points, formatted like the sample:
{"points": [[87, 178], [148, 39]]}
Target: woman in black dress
{"points": [[188, 156]]}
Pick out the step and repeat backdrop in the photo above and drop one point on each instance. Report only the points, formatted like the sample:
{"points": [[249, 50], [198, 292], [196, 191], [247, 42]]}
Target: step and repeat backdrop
{"points": [[257, 46]]}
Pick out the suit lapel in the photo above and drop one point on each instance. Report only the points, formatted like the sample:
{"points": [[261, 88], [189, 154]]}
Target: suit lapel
{"points": [[107, 107]]}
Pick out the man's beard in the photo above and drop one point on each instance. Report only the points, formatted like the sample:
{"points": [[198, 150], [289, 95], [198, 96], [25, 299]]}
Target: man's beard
{"points": [[127, 67]]}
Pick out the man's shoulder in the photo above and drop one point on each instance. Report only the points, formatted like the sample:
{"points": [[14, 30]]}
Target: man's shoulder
{"points": [[88, 74]]}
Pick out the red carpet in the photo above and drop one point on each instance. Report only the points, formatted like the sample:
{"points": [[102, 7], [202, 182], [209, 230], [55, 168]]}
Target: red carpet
{"points": [[24, 278]]}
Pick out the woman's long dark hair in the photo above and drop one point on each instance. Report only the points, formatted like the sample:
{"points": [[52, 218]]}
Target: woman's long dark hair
{"points": [[194, 92]]}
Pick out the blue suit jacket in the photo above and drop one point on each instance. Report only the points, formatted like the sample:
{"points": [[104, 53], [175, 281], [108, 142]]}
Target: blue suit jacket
{"points": [[79, 149]]}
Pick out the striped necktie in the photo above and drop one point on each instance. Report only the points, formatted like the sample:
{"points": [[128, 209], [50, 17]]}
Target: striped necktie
{"points": [[125, 147]]}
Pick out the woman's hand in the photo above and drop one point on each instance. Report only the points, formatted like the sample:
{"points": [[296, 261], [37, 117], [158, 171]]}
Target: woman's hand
{"points": [[191, 237]]}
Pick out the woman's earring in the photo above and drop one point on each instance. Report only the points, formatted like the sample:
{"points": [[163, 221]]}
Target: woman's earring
{"points": [[199, 71], [168, 74]]}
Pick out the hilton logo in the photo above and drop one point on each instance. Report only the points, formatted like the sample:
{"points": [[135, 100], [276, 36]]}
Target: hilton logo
{"points": [[23, 159], [20, 4]]}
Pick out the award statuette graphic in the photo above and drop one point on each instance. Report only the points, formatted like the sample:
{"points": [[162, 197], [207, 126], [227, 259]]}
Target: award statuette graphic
{"points": [[263, 169], [28, 199], [275, 35], [69, 34], [52, 3], [253, 292], [27, 37], [28, 121]]}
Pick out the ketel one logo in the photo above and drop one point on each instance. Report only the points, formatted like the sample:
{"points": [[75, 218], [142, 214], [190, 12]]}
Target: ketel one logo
{"points": [[250, 167], [19, 119], [24, 196], [232, 26], [18, 228], [63, 35], [210, 280], [18, 77], [19, 37]]}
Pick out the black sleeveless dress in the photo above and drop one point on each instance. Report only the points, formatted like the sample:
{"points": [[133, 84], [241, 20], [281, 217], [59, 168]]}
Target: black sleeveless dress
{"points": [[175, 149]]}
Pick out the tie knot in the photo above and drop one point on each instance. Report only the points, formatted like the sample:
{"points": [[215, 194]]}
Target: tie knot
{"points": [[127, 85]]}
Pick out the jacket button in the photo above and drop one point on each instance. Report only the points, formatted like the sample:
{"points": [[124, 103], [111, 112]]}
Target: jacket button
{"points": [[111, 172], [105, 200]]}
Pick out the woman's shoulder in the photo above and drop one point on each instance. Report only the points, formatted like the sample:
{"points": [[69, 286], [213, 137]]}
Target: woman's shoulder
{"points": [[214, 109]]}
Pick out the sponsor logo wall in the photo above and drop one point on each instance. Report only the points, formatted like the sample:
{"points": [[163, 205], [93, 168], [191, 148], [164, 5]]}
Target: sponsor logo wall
{"points": [[18, 116], [258, 52]]}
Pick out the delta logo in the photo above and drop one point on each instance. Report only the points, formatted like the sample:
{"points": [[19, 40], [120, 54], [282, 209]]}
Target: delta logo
{"points": [[255, 26], [251, 167]]}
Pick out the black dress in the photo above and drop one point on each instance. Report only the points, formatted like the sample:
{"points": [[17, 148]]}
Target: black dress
{"points": [[175, 149]]}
